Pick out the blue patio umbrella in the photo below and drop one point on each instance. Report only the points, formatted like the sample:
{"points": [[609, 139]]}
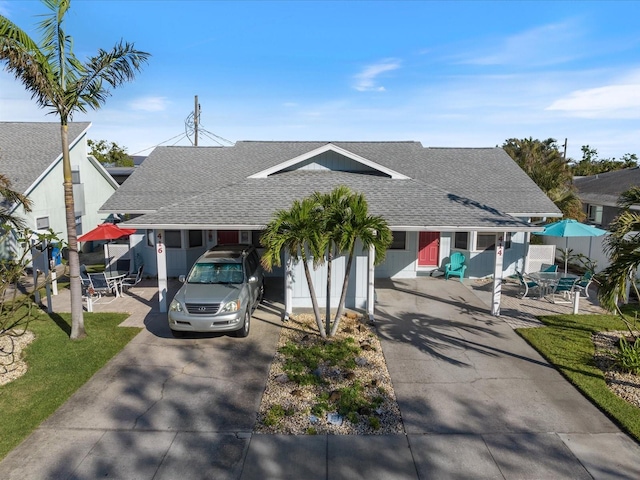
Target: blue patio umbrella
{"points": [[570, 228]]}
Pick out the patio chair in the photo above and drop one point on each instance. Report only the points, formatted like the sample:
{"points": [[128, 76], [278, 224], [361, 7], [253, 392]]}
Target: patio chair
{"points": [[527, 284], [132, 280], [545, 267], [563, 289], [583, 283], [455, 267], [100, 284]]}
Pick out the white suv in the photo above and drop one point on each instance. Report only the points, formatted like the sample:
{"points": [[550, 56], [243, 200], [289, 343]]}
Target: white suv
{"points": [[222, 290]]}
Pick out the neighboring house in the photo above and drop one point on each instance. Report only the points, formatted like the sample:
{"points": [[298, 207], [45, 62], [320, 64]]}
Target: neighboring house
{"points": [[435, 200], [31, 157], [599, 194]]}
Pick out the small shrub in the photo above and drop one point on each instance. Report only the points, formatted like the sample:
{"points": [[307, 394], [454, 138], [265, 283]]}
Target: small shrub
{"points": [[353, 418], [274, 415], [628, 358], [312, 431], [374, 422]]}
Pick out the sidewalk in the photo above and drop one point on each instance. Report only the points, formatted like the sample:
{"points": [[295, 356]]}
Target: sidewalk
{"points": [[476, 402]]}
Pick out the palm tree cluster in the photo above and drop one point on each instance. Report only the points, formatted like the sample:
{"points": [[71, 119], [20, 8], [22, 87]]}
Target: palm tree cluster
{"points": [[623, 248], [60, 82], [318, 228]]}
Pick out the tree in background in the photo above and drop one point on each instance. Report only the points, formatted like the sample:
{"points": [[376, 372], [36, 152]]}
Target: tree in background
{"points": [[543, 162], [592, 165], [110, 154], [60, 82]]}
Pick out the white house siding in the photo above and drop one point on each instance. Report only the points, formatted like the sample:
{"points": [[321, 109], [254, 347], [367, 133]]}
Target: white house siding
{"points": [[301, 297], [48, 194], [400, 263]]}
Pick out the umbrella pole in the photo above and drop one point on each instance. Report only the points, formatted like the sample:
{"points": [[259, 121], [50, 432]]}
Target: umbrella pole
{"points": [[566, 253]]}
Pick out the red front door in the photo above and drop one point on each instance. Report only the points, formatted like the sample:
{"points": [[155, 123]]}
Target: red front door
{"points": [[428, 249], [227, 237]]}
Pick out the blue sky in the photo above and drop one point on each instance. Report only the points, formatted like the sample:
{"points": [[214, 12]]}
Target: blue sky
{"points": [[448, 74]]}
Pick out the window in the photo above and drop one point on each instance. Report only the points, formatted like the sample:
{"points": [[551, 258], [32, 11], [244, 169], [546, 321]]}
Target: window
{"points": [[399, 241], [75, 177], [173, 238], [486, 241], [150, 240], [461, 240], [195, 238], [595, 214], [42, 223], [244, 236]]}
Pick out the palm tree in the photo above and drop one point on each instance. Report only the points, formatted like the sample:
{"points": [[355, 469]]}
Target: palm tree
{"points": [[297, 232], [353, 222], [333, 205], [623, 248], [63, 84], [8, 198]]}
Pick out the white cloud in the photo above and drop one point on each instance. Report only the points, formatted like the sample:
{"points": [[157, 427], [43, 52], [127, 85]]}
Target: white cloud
{"points": [[149, 104], [550, 44], [365, 81], [609, 101]]}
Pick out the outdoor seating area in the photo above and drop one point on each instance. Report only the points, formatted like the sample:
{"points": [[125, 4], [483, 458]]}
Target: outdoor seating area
{"points": [[96, 287]]}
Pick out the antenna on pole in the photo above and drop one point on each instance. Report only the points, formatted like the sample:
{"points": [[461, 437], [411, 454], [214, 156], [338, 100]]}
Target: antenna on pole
{"points": [[196, 117]]}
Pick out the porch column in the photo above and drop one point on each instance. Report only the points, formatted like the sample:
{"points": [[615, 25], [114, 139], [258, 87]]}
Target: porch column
{"points": [[161, 261], [371, 293], [497, 275], [288, 287]]}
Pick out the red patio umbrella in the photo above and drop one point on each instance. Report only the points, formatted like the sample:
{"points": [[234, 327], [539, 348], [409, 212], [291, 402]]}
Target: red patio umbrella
{"points": [[106, 231]]}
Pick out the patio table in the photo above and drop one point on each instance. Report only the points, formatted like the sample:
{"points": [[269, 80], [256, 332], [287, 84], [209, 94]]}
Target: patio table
{"points": [[547, 280], [115, 278]]}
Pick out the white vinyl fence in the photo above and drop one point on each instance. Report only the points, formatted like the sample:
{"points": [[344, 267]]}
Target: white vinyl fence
{"points": [[539, 254]]}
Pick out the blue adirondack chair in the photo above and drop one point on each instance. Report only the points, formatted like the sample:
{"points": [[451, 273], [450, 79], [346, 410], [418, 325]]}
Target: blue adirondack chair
{"points": [[455, 267]]}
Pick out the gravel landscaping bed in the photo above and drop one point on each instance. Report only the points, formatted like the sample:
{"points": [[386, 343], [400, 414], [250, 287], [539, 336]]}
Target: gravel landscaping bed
{"points": [[623, 384], [291, 408], [11, 364]]}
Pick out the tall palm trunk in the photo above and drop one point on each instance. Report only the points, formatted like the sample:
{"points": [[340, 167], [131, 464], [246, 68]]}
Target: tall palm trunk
{"points": [[314, 299], [328, 303], [77, 318], [343, 294]]}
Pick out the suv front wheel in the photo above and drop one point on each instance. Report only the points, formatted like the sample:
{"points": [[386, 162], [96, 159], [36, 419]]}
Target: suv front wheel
{"points": [[243, 331]]}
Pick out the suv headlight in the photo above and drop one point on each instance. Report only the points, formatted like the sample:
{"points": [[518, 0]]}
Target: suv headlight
{"points": [[232, 306], [175, 306]]}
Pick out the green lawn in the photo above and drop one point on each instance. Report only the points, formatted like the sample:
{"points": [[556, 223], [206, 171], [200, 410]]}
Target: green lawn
{"points": [[565, 341], [57, 367]]}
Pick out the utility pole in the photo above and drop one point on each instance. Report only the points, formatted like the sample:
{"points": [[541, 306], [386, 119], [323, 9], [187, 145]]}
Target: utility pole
{"points": [[196, 117], [564, 154]]}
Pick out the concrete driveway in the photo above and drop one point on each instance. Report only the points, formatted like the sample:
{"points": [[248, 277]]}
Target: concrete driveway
{"points": [[476, 401]]}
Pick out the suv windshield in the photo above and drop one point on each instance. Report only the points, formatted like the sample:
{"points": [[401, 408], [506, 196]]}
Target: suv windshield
{"points": [[216, 273]]}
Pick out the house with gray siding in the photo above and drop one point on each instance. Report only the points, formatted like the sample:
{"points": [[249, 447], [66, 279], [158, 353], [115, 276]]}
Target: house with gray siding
{"points": [[599, 194], [184, 200]]}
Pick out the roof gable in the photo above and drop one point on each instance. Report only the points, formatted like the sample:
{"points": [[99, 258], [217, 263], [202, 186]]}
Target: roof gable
{"points": [[28, 150], [331, 157]]}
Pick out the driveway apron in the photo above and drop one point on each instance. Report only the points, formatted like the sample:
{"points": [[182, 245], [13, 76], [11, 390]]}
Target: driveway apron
{"points": [[162, 408], [478, 402]]}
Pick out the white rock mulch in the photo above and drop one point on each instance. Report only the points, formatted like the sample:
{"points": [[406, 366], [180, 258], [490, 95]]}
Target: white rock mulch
{"points": [[12, 366], [623, 384], [370, 372]]}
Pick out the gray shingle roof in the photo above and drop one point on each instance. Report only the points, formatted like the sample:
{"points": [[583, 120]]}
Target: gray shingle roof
{"points": [[605, 188], [28, 148], [448, 187]]}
